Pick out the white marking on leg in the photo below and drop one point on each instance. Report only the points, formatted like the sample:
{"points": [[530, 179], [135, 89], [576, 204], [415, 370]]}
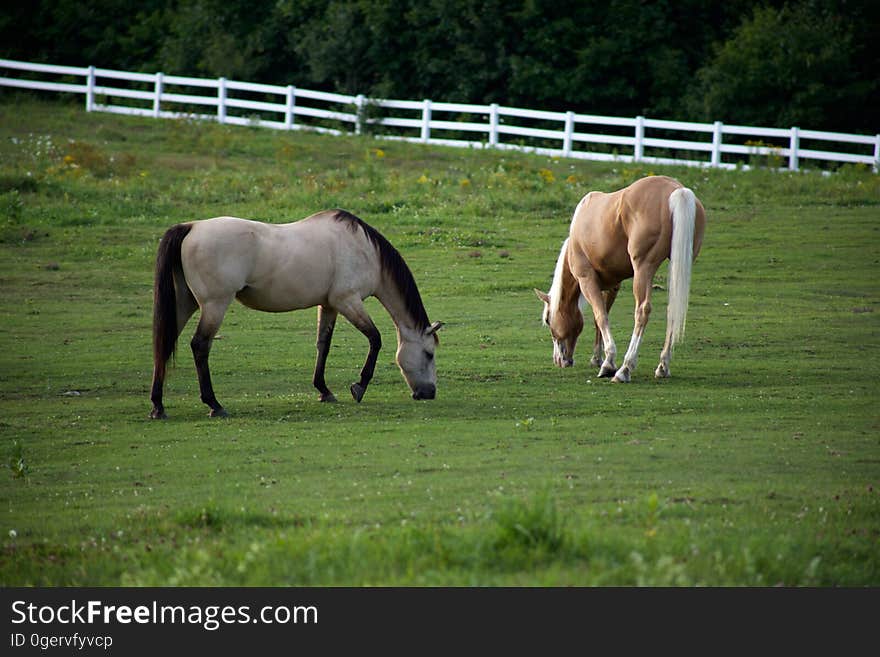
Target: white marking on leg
{"points": [[662, 370], [630, 359], [632, 353], [608, 366]]}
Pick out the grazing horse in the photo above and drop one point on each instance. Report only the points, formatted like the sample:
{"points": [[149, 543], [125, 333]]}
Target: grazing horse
{"points": [[624, 234], [331, 259]]}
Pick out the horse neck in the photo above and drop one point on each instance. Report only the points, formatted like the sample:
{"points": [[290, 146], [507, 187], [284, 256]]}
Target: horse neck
{"points": [[565, 292], [569, 301], [408, 327]]}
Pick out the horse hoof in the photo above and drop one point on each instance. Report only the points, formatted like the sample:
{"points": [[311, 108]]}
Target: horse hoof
{"points": [[329, 398], [357, 391], [156, 414], [607, 372], [218, 412], [661, 372], [622, 376]]}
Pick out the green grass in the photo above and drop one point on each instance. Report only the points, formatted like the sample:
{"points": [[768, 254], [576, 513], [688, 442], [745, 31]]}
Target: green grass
{"points": [[757, 463]]}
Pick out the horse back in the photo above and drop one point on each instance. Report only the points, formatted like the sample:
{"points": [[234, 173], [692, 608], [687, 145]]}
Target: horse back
{"points": [[275, 267], [611, 230], [219, 255]]}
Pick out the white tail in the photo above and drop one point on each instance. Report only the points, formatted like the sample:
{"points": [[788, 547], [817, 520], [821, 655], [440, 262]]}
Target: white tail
{"points": [[682, 205]]}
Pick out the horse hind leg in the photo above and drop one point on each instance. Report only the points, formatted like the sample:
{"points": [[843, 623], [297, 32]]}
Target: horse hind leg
{"points": [[642, 292], [663, 371], [326, 323], [186, 306], [209, 324]]}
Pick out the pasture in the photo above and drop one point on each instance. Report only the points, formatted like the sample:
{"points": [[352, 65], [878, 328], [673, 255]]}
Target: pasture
{"points": [[757, 463]]}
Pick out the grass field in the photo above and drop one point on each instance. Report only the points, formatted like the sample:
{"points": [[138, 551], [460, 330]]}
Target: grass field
{"points": [[757, 463]]}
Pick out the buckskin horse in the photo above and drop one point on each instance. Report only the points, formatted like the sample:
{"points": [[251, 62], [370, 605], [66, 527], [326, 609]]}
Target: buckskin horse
{"points": [[331, 259], [613, 237]]}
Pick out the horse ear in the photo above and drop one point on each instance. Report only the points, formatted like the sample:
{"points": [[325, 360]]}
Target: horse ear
{"points": [[433, 328], [543, 296]]}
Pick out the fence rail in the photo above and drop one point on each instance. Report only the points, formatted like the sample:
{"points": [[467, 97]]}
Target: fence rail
{"points": [[563, 134]]}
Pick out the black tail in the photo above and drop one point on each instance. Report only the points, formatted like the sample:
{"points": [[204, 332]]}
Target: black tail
{"points": [[164, 296]]}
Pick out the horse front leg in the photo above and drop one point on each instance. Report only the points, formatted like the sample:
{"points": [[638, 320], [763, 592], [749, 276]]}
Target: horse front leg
{"points": [[598, 344], [358, 389], [326, 323], [589, 285], [598, 347], [355, 313], [642, 291], [209, 324]]}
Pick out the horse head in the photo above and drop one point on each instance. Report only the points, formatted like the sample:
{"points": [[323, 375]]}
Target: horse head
{"points": [[565, 329], [415, 358]]}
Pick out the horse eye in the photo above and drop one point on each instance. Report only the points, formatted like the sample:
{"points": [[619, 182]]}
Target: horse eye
{"points": [[429, 355]]}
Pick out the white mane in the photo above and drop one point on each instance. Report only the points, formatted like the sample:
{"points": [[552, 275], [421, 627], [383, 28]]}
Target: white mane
{"points": [[556, 287]]}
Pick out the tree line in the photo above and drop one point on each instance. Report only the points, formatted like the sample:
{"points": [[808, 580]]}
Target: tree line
{"points": [[811, 63]]}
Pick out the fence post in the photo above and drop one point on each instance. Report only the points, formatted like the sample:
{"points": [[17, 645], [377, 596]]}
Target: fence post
{"points": [[359, 121], [426, 121], [221, 100], [569, 131], [90, 89], [157, 96], [877, 154], [793, 145], [639, 146], [717, 131], [290, 108], [493, 124]]}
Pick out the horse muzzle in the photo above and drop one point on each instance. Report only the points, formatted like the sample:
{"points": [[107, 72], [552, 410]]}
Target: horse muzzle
{"points": [[425, 392], [562, 356]]}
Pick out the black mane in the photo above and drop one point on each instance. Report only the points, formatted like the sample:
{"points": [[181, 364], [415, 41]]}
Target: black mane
{"points": [[393, 266]]}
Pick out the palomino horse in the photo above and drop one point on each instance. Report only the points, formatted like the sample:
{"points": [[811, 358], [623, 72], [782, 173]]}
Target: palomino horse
{"points": [[331, 259], [624, 234]]}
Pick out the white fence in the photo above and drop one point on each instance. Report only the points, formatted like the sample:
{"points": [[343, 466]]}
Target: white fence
{"points": [[563, 134]]}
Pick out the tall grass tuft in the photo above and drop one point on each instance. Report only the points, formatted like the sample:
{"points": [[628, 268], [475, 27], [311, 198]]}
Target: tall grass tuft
{"points": [[533, 526]]}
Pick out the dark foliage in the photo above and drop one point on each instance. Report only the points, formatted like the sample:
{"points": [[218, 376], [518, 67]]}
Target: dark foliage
{"points": [[808, 62]]}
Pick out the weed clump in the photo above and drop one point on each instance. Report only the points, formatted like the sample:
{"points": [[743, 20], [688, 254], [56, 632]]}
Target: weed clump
{"points": [[530, 528]]}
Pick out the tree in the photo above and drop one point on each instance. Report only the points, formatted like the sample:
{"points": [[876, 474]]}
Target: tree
{"points": [[777, 62], [799, 65]]}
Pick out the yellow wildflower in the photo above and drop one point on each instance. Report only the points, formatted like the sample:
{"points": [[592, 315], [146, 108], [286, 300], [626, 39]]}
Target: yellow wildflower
{"points": [[547, 176]]}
